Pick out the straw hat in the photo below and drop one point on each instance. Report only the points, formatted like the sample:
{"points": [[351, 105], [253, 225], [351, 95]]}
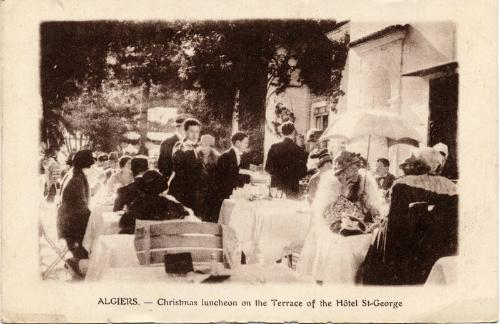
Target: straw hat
{"points": [[207, 140]]}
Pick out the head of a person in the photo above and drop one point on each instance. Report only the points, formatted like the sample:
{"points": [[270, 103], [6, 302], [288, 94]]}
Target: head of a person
{"points": [[103, 160], [288, 129], [125, 164], [432, 158], [382, 167], [325, 161], [346, 166], [207, 144], [240, 140], [139, 164], [414, 166], [192, 128], [113, 158], [82, 159], [152, 183], [179, 121], [443, 150], [313, 136]]}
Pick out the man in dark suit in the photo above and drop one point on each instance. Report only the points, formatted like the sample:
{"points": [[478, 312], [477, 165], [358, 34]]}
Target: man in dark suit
{"points": [[127, 194], [286, 162], [167, 146], [228, 167], [186, 166]]}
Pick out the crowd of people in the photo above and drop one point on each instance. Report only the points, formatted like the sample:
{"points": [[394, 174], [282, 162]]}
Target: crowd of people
{"points": [[414, 216]]}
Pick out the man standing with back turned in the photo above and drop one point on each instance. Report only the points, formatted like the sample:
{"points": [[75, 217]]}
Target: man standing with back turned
{"points": [[286, 162]]}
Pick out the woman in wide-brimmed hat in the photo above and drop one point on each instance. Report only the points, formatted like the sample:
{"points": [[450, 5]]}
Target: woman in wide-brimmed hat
{"points": [[350, 180], [324, 164], [73, 209], [345, 181], [150, 204]]}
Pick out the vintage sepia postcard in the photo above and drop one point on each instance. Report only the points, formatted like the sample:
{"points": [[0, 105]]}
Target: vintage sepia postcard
{"points": [[249, 161]]}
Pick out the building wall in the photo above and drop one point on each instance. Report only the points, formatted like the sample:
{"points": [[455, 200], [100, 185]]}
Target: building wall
{"points": [[374, 79], [295, 98]]}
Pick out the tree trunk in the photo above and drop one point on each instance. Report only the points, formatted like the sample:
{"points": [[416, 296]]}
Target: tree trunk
{"points": [[236, 110], [143, 120]]}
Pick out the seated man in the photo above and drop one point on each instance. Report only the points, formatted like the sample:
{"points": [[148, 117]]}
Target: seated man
{"points": [[383, 176], [127, 194], [149, 204]]}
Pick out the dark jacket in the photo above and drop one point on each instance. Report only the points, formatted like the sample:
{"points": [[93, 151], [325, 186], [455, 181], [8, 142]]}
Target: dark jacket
{"points": [[150, 207], [421, 228], [187, 174], [126, 195], [165, 158], [286, 162], [385, 183], [227, 174], [207, 198], [73, 210]]}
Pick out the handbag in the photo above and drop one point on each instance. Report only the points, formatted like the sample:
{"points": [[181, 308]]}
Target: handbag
{"points": [[345, 217]]}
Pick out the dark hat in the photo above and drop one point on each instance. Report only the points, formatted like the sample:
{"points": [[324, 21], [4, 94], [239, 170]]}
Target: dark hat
{"points": [[324, 157], [102, 157], [313, 134], [83, 159], [179, 120], [287, 128], [152, 182], [345, 159], [414, 166]]}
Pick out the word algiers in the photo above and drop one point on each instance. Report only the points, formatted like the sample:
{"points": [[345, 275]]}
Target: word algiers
{"points": [[117, 301]]}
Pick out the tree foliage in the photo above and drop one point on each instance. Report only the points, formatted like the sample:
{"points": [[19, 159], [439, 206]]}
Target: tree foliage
{"points": [[119, 69]]}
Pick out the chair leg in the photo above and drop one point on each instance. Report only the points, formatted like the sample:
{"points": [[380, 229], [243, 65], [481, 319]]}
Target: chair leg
{"points": [[60, 257]]}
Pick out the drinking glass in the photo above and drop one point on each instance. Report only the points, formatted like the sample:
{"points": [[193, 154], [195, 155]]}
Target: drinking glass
{"points": [[273, 191]]}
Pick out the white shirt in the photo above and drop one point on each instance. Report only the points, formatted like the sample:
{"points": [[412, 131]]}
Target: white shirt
{"points": [[188, 142], [238, 155]]}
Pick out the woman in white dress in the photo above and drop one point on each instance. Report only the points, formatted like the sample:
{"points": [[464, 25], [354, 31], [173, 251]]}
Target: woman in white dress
{"points": [[328, 256]]}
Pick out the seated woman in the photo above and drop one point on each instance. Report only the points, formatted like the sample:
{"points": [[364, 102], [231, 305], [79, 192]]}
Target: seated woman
{"points": [[324, 164], [121, 178], [421, 225], [349, 180], [150, 205], [345, 181]]}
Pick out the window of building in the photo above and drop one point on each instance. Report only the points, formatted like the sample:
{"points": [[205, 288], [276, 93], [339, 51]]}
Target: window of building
{"points": [[321, 122], [321, 117]]}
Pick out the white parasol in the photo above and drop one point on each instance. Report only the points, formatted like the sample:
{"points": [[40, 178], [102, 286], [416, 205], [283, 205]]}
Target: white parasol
{"points": [[357, 123]]}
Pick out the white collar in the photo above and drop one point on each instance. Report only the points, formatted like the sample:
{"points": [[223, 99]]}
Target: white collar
{"points": [[237, 151], [189, 142]]}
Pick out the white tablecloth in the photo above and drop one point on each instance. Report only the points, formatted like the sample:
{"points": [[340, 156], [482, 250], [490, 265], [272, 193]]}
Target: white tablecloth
{"points": [[102, 221], [330, 257], [265, 227], [252, 274], [444, 271], [111, 251]]}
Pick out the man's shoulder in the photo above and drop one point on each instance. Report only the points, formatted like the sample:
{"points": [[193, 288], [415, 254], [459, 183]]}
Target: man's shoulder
{"points": [[177, 147], [127, 188], [170, 139], [228, 152], [278, 146]]}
